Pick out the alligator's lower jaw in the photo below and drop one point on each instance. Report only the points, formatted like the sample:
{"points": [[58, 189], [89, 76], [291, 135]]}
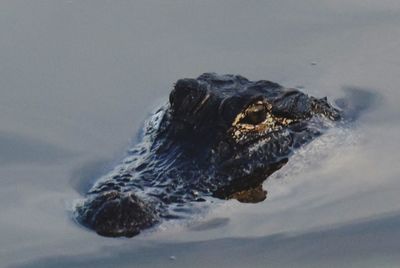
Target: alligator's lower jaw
{"points": [[254, 195]]}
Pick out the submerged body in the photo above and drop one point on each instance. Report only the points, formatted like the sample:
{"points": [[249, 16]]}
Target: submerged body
{"points": [[219, 136]]}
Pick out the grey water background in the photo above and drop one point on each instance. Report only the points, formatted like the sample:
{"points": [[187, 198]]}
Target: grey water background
{"points": [[77, 79]]}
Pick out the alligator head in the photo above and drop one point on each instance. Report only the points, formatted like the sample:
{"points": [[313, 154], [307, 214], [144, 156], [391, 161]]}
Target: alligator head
{"points": [[220, 136]]}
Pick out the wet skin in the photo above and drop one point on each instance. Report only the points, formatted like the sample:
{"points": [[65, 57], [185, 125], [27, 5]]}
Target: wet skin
{"points": [[219, 136]]}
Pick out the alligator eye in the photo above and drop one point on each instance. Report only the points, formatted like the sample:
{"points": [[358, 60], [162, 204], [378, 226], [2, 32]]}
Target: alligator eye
{"points": [[254, 115]]}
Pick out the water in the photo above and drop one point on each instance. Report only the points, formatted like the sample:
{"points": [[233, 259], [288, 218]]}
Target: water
{"points": [[77, 79]]}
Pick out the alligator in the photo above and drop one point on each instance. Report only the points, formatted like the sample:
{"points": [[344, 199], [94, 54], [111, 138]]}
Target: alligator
{"points": [[219, 136]]}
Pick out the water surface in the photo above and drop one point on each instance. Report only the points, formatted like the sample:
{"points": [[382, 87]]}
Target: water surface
{"points": [[77, 79]]}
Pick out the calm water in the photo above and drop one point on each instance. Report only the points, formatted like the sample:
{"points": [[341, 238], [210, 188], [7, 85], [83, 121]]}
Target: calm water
{"points": [[77, 79]]}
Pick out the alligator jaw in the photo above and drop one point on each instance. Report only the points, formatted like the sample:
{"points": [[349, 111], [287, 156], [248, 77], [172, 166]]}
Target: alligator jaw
{"points": [[253, 195]]}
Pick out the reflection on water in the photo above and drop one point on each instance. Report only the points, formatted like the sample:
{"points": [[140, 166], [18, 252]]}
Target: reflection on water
{"points": [[209, 224], [83, 178], [77, 78], [19, 149], [335, 247], [357, 101]]}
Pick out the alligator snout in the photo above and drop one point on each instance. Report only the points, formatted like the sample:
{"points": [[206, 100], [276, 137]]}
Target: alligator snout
{"points": [[117, 214]]}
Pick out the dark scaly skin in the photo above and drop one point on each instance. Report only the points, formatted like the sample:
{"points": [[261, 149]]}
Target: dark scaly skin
{"points": [[219, 136]]}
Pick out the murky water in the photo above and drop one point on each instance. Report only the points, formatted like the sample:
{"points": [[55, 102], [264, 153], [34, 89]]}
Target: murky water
{"points": [[77, 79]]}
